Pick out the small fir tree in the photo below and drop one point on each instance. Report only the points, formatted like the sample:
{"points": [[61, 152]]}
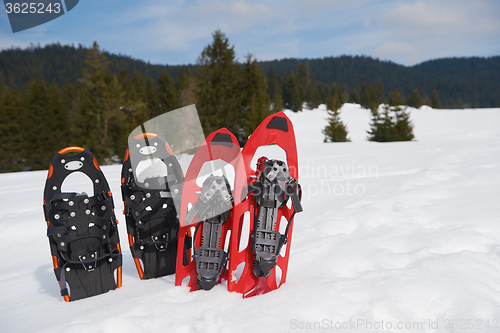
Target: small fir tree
{"points": [[335, 131], [336, 100], [393, 124], [415, 100], [291, 93], [403, 125], [435, 100], [372, 95], [354, 96], [395, 98]]}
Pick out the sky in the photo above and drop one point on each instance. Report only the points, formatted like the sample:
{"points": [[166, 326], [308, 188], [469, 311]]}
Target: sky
{"points": [[175, 32]]}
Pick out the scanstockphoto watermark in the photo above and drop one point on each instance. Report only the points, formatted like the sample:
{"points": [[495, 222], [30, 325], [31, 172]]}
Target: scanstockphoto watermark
{"points": [[464, 325], [356, 324], [335, 180]]}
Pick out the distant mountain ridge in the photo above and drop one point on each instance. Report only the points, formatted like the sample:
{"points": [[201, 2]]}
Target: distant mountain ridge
{"points": [[459, 82]]}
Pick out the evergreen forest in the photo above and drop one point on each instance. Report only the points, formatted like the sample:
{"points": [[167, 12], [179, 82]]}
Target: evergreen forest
{"points": [[57, 96]]}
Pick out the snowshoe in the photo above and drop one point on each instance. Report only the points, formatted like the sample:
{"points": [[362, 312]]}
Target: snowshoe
{"points": [[82, 229], [151, 179], [261, 266], [207, 207]]}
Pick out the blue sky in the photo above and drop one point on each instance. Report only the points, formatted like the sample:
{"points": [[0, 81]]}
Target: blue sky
{"points": [[175, 32]]}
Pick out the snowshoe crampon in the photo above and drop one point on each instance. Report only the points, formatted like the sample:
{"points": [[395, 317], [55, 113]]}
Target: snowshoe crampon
{"points": [[152, 179], [206, 213], [82, 229], [258, 262]]}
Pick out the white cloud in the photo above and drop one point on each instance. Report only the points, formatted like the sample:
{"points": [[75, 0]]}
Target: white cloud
{"points": [[405, 31], [390, 47], [176, 27], [422, 30], [444, 17]]}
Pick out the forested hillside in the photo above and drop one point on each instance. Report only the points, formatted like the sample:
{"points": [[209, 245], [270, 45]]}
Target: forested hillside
{"points": [[102, 98], [55, 96], [459, 82], [62, 64]]}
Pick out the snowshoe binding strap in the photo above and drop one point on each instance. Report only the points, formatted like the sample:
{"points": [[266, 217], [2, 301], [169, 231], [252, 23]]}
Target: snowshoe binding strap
{"points": [[74, 220], [142, 207], [272, 189], [213, 209]]}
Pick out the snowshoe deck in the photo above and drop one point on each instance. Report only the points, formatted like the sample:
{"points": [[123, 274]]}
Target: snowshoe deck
{"points": [[150, 212], [254, 269], [82, 229]]}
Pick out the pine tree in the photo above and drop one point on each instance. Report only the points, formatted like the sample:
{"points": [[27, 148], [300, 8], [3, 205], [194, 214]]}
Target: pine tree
{"points": [[335, 101], [291, 93], [13, 128], [372, 95], [137, 87], [435, 100], [403, 125], [100, 107], [323, 91], [335, 131], [303, 77], [255, 100], [274, 90], [354, 96], [415, 100], [218, 92], [41, 138], [395, 98], [151, 96], [186, 87], [314, 95], [59, 122], [382, 127], [167, 93], [392, 125], [128, 113]]}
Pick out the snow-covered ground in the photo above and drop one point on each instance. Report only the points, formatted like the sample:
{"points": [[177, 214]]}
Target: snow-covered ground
{"points": [[394, 237]]}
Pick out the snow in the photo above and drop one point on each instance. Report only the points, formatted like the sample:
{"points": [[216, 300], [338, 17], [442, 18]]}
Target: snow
{"points": [[393, 235]]}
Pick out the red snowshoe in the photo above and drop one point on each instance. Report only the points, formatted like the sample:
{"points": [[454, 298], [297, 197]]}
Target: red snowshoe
{"points": [[261, 265], [206, 214]]}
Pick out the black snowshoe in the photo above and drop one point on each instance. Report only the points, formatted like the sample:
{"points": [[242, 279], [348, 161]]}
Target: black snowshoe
{"points": [[150, 211], [82, 229]]}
